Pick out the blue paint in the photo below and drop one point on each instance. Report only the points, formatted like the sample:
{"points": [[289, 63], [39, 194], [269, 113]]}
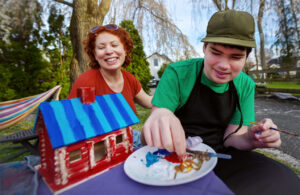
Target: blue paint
{"points": [[162, 152], [151, 159], [258, 133], [154, 157]]}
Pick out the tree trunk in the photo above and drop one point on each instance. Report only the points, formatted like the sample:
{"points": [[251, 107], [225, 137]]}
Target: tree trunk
{"points": [[294, 13], [261, 33], [256, 58], [86, 14]]}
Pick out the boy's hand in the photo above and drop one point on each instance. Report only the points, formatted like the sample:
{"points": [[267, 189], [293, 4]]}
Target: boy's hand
{"points": [[164, 130], [263, 137]]}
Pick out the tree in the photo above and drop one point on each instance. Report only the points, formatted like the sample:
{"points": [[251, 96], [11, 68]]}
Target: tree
{"points": [[4, 22], [162, 69], [20, 55], [89, 13], [295, 8], [261, 33], [139, 67], [58, 49], [285, 37]]}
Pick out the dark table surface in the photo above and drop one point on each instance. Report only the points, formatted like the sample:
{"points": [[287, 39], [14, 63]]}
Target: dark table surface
{"points": [[115, 181]]}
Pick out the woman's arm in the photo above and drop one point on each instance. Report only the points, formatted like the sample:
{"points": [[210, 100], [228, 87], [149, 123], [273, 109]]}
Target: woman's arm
{"points": [[143, 99]]}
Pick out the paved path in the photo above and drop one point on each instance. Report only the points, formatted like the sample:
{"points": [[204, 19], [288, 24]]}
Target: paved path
{"points": [[286, 115]]}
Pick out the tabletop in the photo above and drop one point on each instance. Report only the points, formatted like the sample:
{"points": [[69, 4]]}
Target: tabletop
{"points": [[115, 181]]}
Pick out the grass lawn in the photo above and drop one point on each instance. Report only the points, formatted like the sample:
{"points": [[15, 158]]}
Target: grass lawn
{"points": [[143, 114], [25, 124], [284, 85]]}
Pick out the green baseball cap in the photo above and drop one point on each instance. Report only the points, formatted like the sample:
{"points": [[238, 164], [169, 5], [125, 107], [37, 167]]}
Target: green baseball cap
{"points": [[231, 27]]}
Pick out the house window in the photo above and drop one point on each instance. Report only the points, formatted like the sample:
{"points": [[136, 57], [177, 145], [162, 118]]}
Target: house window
{"points": [[119, 139], [155, 62], [99, 150], [74, 156]]}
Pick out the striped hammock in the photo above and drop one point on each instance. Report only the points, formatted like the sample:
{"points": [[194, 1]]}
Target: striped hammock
{"points": [[14, 111]]}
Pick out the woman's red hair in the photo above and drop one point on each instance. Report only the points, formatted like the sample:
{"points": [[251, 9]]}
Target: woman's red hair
{"points": [[121, 33]]}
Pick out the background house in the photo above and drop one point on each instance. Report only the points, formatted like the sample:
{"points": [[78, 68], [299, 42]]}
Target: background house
{"points": [[156, 61]]}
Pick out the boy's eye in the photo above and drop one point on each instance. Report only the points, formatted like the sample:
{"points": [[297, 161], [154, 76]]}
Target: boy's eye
{"points": [[215, 53], [236, 57]]}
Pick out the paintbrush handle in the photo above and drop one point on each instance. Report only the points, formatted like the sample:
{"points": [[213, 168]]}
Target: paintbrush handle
{"points": [[283, 131], [210, 154]]}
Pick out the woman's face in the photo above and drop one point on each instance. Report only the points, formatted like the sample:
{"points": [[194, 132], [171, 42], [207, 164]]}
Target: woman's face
{"points": [[109, 51]]}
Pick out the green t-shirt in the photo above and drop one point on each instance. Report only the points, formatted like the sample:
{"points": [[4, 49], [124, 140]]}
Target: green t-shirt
{"points": [[178, 81]]}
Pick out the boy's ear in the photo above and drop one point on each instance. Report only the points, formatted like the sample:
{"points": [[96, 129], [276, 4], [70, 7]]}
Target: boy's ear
{"points": [[204, 47]]}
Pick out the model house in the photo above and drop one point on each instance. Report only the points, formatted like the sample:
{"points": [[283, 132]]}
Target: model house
{"points": [[83, 137]]}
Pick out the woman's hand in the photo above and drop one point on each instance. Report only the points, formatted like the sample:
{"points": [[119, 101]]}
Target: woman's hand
{"points": [[262, 136]]}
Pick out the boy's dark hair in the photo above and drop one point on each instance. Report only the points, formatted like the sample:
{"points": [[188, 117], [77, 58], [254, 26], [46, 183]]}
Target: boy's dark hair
{"points": [[248, 49]]}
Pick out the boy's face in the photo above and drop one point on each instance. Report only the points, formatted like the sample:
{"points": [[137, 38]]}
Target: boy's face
{"points": [[222, 63]]}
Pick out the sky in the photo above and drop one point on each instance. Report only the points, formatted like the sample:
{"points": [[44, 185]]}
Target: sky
{"points": [[195, 30], [182, 11]]}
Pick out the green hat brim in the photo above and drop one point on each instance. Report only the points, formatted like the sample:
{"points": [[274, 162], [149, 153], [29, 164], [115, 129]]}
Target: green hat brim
{"points": [[229, 41]]}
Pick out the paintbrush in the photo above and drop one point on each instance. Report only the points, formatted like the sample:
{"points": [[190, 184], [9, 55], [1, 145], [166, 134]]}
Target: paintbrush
{"points": [[283, 131], [210, 154]]}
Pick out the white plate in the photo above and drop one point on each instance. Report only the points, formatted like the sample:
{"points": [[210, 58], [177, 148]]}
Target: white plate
{"points": [[162, 172]]}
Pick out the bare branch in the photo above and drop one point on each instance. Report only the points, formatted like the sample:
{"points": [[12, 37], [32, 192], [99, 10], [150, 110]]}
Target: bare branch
{"points": [[64, 2], [167, 21], [218, 4]]}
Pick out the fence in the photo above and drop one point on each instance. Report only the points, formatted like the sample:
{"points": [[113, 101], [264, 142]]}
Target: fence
{"points": [[275, 75]]}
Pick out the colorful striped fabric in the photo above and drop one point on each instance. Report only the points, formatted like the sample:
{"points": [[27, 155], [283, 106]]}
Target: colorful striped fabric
{"points": [[14, 111], [69, 121]]}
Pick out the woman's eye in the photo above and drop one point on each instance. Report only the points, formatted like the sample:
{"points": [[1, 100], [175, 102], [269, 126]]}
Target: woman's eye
{"points": [[215, 53]]}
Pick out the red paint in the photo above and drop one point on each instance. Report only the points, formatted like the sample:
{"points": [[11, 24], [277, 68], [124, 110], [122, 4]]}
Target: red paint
{"points": [[173, 158], [87, 94]]}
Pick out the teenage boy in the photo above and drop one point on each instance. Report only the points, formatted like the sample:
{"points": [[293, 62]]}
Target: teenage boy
{"points": [[212, 98]]}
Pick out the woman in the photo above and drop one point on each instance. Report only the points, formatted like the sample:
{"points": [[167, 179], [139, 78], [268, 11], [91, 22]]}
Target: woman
{"points": [[109, 48]]}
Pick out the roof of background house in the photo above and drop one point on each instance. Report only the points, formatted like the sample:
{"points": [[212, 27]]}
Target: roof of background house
{"points": [[69, 121], [160, 55]]}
